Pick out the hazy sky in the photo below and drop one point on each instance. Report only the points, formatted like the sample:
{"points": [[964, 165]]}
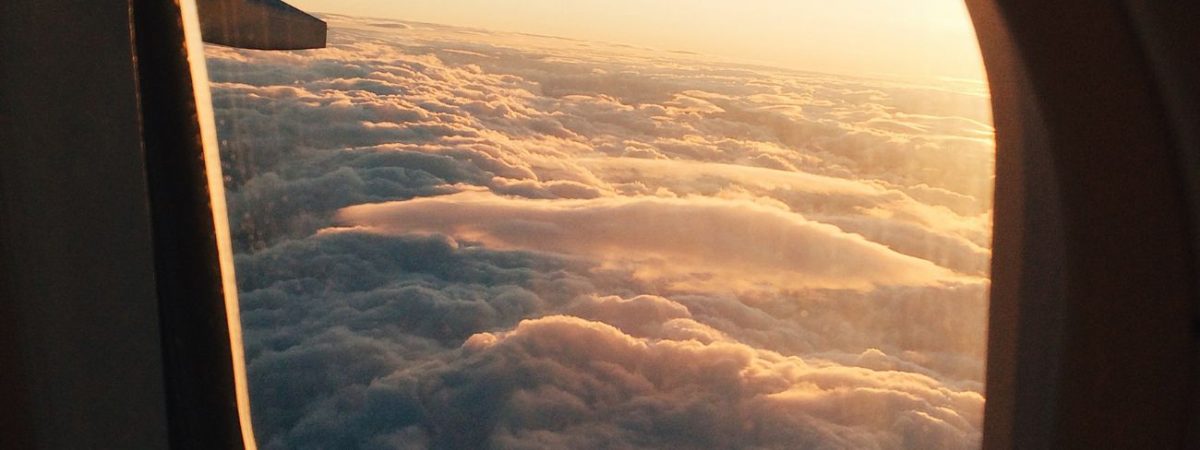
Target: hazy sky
{"points": [[866, 37]]}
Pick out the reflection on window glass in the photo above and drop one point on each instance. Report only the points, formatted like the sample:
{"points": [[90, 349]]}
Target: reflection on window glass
{"points": [[671, 226]]}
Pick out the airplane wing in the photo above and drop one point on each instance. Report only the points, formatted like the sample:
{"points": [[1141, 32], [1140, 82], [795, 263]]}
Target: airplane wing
{"points": [[259, 24]]}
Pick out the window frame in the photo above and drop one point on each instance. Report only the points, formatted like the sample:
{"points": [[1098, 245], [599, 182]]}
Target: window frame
{"points": [[1093, 324]]}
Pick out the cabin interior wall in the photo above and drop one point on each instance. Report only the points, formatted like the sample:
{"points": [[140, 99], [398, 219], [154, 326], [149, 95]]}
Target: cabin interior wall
{"points": [[82, 354]]}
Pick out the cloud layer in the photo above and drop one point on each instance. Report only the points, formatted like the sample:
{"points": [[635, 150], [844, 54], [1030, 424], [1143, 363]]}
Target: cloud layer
{"points": [[453, 238], [698, 242]]}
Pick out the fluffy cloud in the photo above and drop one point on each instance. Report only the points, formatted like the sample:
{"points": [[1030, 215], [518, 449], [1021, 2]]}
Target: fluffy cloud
{"points": [[363, 339], [564, 380], [454, 238]]}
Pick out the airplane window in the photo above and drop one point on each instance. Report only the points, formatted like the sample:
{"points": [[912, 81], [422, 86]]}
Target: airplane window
{"points": [[613, 224]]}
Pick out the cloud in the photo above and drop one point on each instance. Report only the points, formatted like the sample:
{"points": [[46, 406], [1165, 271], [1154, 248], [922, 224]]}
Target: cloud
{"points": [[462, 238], [695, 241], [355, 335], [562, 380]]}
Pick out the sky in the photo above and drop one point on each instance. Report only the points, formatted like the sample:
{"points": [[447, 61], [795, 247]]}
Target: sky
{"points": [[909, 38]]}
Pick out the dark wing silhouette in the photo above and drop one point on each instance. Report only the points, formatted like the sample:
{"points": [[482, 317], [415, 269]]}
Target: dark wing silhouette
{"points": [[260, 24]]}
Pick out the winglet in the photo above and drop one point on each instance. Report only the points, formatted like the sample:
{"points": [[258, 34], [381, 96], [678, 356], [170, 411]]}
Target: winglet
{"points": [[259, 24]]}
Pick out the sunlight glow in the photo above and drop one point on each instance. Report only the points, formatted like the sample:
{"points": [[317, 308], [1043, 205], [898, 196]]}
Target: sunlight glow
{"points": [[926, 38]]}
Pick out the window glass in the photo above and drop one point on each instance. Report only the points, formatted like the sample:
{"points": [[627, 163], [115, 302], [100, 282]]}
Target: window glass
{"points": [[651, 224]]}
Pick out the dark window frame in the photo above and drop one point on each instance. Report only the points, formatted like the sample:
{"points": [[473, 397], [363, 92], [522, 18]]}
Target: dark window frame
{"points": [[1093, 325]]}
